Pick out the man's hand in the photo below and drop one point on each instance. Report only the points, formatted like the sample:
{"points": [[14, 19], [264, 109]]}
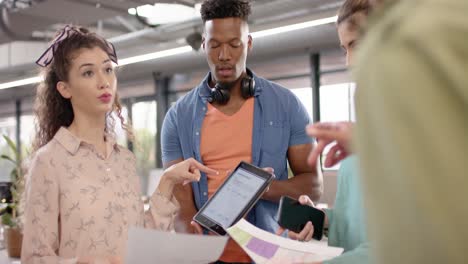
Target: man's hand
{"points": [[305, 235], [198, 229], [339, 133]]}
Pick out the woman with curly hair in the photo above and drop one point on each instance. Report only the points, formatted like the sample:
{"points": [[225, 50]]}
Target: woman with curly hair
{"points": [[82, 191]]}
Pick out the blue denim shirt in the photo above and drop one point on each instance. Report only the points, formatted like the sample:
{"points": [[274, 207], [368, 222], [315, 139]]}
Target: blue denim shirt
{"points": [[279, 122]]}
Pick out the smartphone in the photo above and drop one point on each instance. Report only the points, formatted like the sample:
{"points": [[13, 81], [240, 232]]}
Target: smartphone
{"points": [[294, 216], [234, 198]]}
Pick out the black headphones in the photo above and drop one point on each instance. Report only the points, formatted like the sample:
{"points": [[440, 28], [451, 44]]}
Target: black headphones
{"points": [[221, 95]]}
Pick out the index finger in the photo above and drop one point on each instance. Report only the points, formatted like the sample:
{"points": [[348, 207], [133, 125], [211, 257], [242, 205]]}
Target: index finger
{"points": [[293, 235], [323, 133], [315, 154], [197, 227], [269, 170], [305, 200], [203, 168]]}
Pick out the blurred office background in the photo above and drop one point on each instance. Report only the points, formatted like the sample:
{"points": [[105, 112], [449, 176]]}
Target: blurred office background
{"points": [[158, 45]]}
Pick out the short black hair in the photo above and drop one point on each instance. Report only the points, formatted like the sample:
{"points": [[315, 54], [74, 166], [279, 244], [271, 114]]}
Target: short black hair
{"points": [[212, 9]]}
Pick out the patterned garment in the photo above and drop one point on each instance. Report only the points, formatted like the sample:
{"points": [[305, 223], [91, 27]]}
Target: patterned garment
{"points": [[80, 203]]}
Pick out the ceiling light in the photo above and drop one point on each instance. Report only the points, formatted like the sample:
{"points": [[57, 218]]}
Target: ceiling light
{"points": [[288, 28], [22, 82], [165, 13], [155, 55]]}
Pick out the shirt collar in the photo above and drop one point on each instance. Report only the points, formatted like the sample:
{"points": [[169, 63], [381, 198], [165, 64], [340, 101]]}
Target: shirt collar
{"points": [[205, 89], [72, 143]]}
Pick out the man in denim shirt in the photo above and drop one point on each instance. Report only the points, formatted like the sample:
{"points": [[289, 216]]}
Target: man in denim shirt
{"points": [[278, 121]]}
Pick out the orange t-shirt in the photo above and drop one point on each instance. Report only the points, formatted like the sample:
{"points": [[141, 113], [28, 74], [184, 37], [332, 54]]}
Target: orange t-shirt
{"points": [[225, 141]]}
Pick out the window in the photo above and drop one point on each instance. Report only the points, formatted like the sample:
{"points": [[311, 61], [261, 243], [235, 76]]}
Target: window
{"points": [[144, 126], [7, 128], [27, 133], [120, 133], [305, 96], [336, 90], [336, 104], [300, 87]]}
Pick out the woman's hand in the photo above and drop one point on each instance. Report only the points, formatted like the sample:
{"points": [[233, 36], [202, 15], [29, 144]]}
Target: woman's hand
{"points": [[308, 231], [186, 171], [339, 133], [183, 172]]}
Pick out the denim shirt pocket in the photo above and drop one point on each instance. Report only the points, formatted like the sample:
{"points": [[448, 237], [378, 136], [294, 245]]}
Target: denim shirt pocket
{"points": [[275, 146], [274, 136]]}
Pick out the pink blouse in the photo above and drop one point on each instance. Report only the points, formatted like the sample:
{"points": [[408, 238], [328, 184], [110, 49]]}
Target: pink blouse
{"points": [[79, 203]]}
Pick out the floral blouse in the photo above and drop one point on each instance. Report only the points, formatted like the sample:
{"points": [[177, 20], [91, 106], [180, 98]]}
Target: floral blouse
{"points": [[80, 203]]}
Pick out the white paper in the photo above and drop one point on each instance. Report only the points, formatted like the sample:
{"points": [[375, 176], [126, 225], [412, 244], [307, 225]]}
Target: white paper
{"points": [[264, 247], [146, 246]]}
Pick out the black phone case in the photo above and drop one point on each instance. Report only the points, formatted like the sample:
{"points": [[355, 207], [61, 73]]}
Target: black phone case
{"points": [[294, 216]]}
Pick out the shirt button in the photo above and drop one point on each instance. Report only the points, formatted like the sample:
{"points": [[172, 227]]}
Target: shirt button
{"points": [[197, 133], [271, 123], [204, 108], [204, 193]]}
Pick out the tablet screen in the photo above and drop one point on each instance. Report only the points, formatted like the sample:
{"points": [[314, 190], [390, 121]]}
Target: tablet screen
{"points": [[228, 203]]}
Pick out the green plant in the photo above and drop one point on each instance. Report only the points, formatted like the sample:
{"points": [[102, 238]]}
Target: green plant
{"points": [[10, 214]]}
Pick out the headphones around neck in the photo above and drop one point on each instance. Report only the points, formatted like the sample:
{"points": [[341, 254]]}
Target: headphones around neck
{"points": [[222, 96]]}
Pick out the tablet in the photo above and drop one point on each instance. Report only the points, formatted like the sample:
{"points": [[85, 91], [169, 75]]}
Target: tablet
{"points": [[234, 198]]}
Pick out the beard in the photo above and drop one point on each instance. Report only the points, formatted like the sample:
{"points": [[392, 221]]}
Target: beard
{"points": [[226, 85]]}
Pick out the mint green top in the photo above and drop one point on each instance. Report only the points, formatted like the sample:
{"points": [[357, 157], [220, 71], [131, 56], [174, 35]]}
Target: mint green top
{"points": [[347, 228]]}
